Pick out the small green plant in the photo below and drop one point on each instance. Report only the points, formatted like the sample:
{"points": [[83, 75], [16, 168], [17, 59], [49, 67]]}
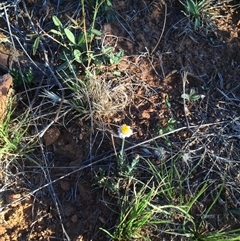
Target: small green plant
{"points": [[113, 58], [167, 126], [76, 48], [230, 235], [203, 12], [106, 11], [141, 211], [135, 213], [124, 170], [12, 132], [78, 41], [36, 37], [192, 96], [123, 167], [21, 78], [167, 101], [111, 184], [196, 10]]}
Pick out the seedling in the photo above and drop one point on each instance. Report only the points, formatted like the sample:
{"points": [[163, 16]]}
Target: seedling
{"points": [[12, 133], [113, 58], [19, 78], [192, 96], [167, 126], [168, 103], [195, 9]]}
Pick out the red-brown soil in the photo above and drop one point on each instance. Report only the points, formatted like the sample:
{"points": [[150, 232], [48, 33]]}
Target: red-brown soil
{"points": [[59, 200]]}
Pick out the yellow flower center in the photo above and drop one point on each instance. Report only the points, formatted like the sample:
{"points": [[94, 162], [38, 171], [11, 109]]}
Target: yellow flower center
{"points": [[125, 129]]}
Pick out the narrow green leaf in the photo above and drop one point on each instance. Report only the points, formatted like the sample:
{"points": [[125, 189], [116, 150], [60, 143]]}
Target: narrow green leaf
{"points": [[109, 4], [96, 32], [35, 45], [81, 39], [168, 102], [107, 50], [195, 97], [77, 55], [70, 35], [56, 21], [197, 22], [192, 91], [56, 32], [34, 35]]}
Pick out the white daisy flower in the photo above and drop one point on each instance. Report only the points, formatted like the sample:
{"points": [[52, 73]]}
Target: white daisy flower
{"points": [[124, 131]]}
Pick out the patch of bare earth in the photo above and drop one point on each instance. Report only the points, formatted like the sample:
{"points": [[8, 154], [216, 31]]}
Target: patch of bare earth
{"points": [[164, 58]]}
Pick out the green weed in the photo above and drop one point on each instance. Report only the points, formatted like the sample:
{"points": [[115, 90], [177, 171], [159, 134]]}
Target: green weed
{"points": [[124, 168], [196, 10], [21, 78], [140, 211], [105, 11], [167, 126], [135, 214], [78, 41], [192, 96], [203, 12], [230, 235], [12, 132]]}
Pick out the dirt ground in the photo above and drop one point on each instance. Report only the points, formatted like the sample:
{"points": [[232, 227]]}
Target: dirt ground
{"points": [[160, 46]]}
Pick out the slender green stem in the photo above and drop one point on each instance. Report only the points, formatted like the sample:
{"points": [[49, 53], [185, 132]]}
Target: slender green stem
{"points": [[120, 157], [122, 148]]}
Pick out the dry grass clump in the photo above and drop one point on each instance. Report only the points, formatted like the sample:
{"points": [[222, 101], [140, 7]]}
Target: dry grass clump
{"points": [[109, 97], [100, 97]]}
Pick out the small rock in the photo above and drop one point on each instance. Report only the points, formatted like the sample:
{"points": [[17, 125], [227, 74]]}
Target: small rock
{"points": [[65, 185], [145, 115], [51, 135], [74, 218]]}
